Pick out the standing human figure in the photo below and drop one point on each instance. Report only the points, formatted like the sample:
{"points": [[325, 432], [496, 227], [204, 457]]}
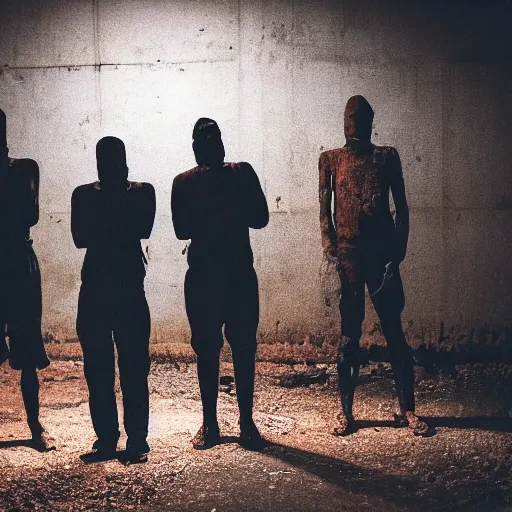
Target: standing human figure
{"points": [[367, 246], [109, 218], [20, 281], [214, 205]]}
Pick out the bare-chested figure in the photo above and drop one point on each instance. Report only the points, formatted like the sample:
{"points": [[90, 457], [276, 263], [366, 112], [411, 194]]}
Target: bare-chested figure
{"points": [[214, 205], [20, 281], [367, 246]]}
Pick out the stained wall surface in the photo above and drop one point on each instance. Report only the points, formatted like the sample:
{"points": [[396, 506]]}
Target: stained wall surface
{"points": [[275, 74]]}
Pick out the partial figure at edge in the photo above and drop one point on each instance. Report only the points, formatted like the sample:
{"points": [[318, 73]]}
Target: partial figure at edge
{"points": [[109, 218], [367, 246], [20, 281], [214, 205]]}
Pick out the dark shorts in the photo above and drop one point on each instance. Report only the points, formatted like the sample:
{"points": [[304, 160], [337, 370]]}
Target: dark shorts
{"points": [[215, 299], [20, 309]]}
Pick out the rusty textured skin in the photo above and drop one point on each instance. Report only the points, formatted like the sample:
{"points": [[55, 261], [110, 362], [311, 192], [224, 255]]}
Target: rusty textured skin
{"points": [[361, 228], [367, 245]]}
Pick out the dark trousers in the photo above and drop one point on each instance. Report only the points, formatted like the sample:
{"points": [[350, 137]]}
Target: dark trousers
{"points": [[389, 301], [121, 316]]}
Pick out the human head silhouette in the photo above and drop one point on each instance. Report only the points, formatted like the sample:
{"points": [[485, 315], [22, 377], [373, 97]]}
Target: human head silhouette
{"points": [[207, 142], [111, 162], [358, 119]]}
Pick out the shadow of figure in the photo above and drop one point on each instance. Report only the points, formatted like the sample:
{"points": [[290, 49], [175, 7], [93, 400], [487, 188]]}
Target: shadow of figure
{"points": [[352, 478], [28, 443], [15, 443], [406, 492], [496, 423], [229, 439], [99, 456]]}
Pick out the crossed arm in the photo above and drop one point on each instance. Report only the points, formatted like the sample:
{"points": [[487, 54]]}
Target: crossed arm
{"points": [[102, 222], [253, 204]]}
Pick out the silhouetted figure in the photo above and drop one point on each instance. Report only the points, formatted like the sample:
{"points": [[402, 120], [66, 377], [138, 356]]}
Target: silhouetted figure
{"points": [[214, 205], [367, 246], [109, 218], [20, 281]]}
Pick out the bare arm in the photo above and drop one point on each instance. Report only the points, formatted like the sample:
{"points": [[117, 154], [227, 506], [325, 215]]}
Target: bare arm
{"points": [[397, 186], [109, 221], [181, 211], [32, 206], [325, 196], [255, 203], [80, 222], [145, 214]]}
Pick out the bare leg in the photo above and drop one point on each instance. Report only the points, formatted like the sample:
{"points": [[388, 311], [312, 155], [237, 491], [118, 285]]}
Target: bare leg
{"points": [[352, 316], [208, 374], [30, 392], [244, 365], [208, 435]]}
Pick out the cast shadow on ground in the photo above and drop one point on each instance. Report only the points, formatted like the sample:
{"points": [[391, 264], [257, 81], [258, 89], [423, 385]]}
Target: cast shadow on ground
{"points": [[496, 423], [228, 439], [405, 492], [15, 443], [28, 443], [355, 479]]}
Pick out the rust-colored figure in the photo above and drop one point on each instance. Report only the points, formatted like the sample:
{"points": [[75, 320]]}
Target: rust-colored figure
{"points": [[214, 205], [109, 218], [20, 281], [367, 246]]}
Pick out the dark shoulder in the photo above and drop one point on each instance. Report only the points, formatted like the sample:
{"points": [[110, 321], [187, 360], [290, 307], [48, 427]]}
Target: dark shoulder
{"points": [[141, 187], [383, 154], [85, 190], [25, 166], [187, 176], [387, 158], [332, 155], [243, 168]]}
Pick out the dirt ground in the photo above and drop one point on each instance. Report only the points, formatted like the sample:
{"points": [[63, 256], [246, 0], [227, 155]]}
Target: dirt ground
{"points": [[466, 465]]}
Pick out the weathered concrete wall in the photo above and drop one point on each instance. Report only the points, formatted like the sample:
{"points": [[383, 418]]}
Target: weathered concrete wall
{"points": [[276, 75]]}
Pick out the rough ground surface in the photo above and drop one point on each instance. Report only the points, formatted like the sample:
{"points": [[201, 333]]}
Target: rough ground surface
{"points": [[465, 466]]}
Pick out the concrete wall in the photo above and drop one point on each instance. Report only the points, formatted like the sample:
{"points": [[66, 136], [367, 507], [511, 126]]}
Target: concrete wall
{"points": [[275, 75]]}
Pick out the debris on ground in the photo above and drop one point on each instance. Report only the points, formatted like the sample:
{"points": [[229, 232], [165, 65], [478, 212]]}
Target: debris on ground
{"points": [[466, 465], [306, 378]]}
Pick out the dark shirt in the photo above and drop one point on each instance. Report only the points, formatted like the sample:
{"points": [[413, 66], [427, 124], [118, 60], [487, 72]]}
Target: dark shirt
{"points": [[214, 208], [362, 227], [110, 224]]}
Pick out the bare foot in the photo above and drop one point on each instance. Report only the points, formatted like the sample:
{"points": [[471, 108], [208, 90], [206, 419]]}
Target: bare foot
{"points": [[250, 437], [206, 437], [417, 425], [43, 442], [347, 426]]}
